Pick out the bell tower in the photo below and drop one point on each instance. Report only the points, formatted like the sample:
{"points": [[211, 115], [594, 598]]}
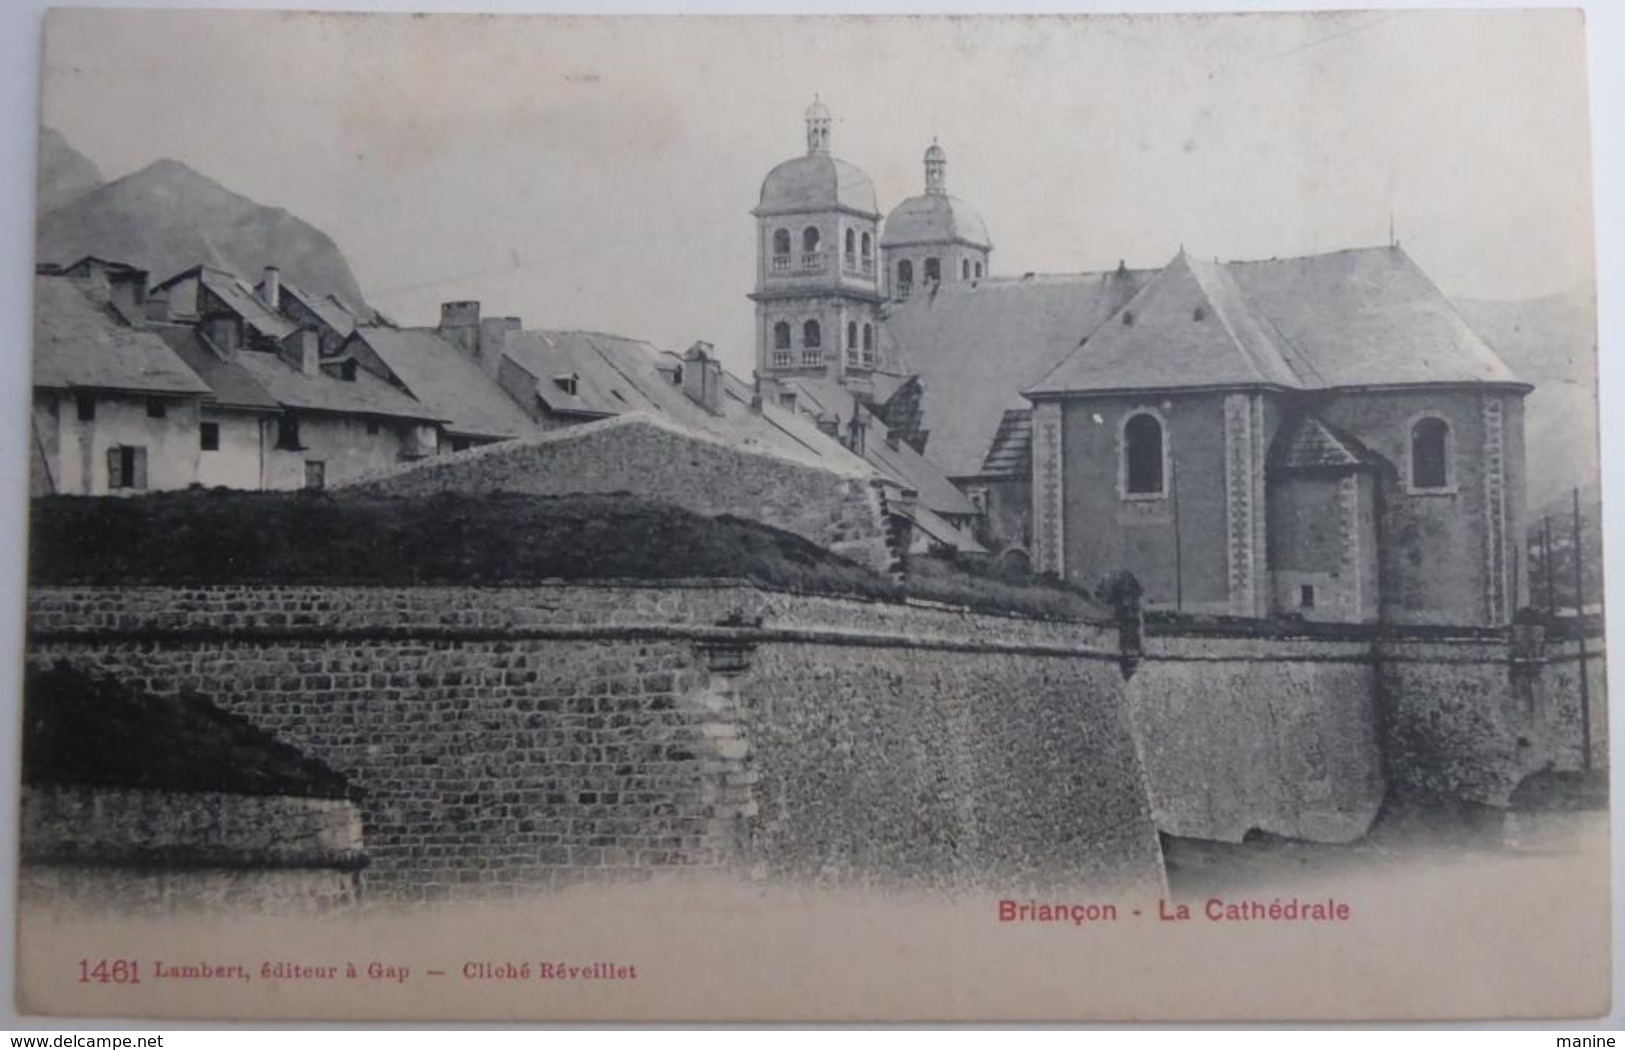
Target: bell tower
{"points": [[818, 267]]}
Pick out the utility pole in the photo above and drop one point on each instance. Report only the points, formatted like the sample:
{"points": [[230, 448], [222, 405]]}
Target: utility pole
{"points": [[1580, 631]]}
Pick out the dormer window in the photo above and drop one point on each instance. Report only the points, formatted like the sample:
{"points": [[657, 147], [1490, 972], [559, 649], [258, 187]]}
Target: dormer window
{"points": [[347, 371], [567, 383]]}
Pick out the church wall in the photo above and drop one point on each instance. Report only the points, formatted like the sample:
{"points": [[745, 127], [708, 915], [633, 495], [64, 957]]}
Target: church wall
{"points": [[1433, 566], [1322, 535], [1103, 531]]}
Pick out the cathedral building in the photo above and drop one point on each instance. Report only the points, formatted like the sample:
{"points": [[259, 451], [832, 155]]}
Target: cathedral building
{"points": [[1323, 436]]}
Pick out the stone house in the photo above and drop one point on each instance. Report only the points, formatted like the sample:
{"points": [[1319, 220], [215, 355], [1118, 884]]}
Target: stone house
{"points": [[115, 411], [1322, 436]]}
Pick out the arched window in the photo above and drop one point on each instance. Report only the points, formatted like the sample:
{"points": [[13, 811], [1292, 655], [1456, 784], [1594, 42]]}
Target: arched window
{"points": [[851, 334], [1430, 453], [809, 239], [868, 337], [781, 336], [978, 271], [933, 269], [868, 246], [781, 242], [1142, 455], [811, 334], [851, 241], [905, 278], [964, 269]]}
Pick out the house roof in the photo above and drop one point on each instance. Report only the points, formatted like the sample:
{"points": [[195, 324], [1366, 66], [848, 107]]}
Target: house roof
{"points": [[601, 389], [366, 395], [453, 386], [977, 344], [1357, 318], [239, 297], [816, 182], [79, 343], [899, 461], [326, 308], [233, 385]]}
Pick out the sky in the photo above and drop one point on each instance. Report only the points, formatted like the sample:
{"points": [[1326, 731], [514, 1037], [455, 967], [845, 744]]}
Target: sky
{"points": [[586, 173]]}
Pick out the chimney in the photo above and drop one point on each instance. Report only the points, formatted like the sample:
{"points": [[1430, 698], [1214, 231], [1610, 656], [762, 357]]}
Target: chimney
{"points": [[460, 325], [702, 377], [492, 340], [302, 349], [271, 288]]}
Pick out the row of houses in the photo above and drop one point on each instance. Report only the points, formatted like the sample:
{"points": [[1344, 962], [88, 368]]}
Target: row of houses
{"points": [[206, 379]]}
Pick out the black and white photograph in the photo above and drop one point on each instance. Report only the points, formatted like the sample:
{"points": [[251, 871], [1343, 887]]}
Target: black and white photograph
{"points": [[813, 519]]}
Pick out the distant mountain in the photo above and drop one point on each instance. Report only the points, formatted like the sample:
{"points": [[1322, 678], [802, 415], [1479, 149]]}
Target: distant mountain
{"points": [[1549, 342], [65, 174], [167, 217]]}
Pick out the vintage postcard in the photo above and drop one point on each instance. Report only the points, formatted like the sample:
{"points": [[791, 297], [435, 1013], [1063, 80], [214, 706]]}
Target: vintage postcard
{"points": [[1086, 518]]}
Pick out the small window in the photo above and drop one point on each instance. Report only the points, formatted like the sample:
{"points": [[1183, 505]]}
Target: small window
{"points": [[809, 239], [87, 408], [787, 400], [209, 437], [1306, 597], [287, 433], [372, 426], [567, 383], [156, 409], [933, 269], [1142, 455], [812, 335], [851, 335], [781, 242], [347, 371], [964, 269], [978, 271], [315, 474], [851, 242], [127, 467], [868, 337], [868, 247], [781, 336], [1198, 314], [1430, 454]]}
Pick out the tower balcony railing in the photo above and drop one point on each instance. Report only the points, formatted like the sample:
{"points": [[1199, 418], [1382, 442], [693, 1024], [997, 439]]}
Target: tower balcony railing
{"points": [[781, 264], [854, 266], [903, 289], [811, 262]]}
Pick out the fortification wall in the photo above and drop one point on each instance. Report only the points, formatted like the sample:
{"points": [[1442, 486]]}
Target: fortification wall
{"points": [[513, 738], [837, 511]]}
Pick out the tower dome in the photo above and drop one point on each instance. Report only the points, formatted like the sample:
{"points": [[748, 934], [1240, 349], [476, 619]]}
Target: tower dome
{"points": [[934, 217], [817, 181]]}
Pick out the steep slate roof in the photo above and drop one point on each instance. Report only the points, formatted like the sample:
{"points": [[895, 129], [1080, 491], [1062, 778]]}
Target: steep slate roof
{"points": [[453, 386], [977, 345], [80, 344], [907, 467], [1357, 318], [816, 182], [1315, 445], [366, 395], [239, 296], [601, 390], [232, 384], [325, 307], [1368, 317], [1011, 454]]}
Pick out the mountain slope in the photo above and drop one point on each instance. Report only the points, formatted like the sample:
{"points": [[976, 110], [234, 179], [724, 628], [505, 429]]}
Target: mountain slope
{"points": [[1551, 343], [167, 217], [65, 174]]}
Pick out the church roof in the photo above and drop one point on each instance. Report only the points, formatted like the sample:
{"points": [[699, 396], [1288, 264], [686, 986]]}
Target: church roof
{"points": [[1358, 318], [934, 218], [1315, 445], [817, 182], [1011, 453], [977, 344]]}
